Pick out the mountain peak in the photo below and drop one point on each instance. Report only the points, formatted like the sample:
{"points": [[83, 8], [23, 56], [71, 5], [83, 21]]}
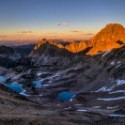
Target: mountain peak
{"points": [[114, 25], [111, 36], [107, 38], [73, 47], [76, 47], [45, 41]]}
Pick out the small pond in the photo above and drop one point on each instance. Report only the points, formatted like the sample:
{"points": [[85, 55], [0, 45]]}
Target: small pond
{"points": [[37, 83], [2, 79], [15, 86], [65, 95]]}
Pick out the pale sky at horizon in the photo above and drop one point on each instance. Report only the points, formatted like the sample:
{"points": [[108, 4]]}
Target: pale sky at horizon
{"points": [[61, 19]]}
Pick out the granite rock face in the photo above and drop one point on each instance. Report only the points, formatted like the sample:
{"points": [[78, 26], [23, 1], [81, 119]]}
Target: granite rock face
{"points": [[112, 36]]}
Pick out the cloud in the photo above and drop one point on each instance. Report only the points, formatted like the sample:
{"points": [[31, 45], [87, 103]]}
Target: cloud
{"points": [[52, 33], [63, 24], [75, 31], [26, 31], [3, 36], [89, 34]]}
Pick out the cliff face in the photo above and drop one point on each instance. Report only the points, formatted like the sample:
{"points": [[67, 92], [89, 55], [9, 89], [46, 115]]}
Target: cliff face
{"points": [[112, 36], [49, 52], [44, 41], [76, 47], [73, 47]]}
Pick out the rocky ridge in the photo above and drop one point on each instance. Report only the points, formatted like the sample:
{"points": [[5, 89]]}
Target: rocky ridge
{"points": [[111, 36]]}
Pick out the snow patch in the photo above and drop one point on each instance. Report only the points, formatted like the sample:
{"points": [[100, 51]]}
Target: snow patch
{"points": [[23, 93], [118, 62], [81, 110], [78, 104], [113, 63], [72, 98], [117, 115], [117, 66], [67, 108], [103, 55], [51, 77], [108, 107], [40, 95], [39, 74], [108, 89], [96, 107], [103, 89], [118, 91], [120, 82], [111, 99]]}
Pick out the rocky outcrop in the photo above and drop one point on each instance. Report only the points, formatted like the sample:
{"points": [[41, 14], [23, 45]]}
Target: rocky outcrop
{"points": [[50, 53], [44, 41], [112, 36], [76, 47], [73, 47]]}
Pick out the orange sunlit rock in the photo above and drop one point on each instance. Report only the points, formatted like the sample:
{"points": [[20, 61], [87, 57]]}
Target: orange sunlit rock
{"points": [[107, 39], [73, 47], [76, 47], [43, 41], [112, 36]]}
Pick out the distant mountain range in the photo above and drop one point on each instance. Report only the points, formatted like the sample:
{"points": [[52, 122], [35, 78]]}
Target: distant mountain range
{"points": [[111, 36], [49, 52], [52, 52]]}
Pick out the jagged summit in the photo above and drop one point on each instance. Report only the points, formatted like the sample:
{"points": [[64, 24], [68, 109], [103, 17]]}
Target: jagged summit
{"points": [[44, 41], [109, 37], [52, 52], [48, 52], [73, 47], [76, 47]]}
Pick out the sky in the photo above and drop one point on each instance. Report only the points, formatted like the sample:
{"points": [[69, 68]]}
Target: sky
{"points": [[57, 19]]}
